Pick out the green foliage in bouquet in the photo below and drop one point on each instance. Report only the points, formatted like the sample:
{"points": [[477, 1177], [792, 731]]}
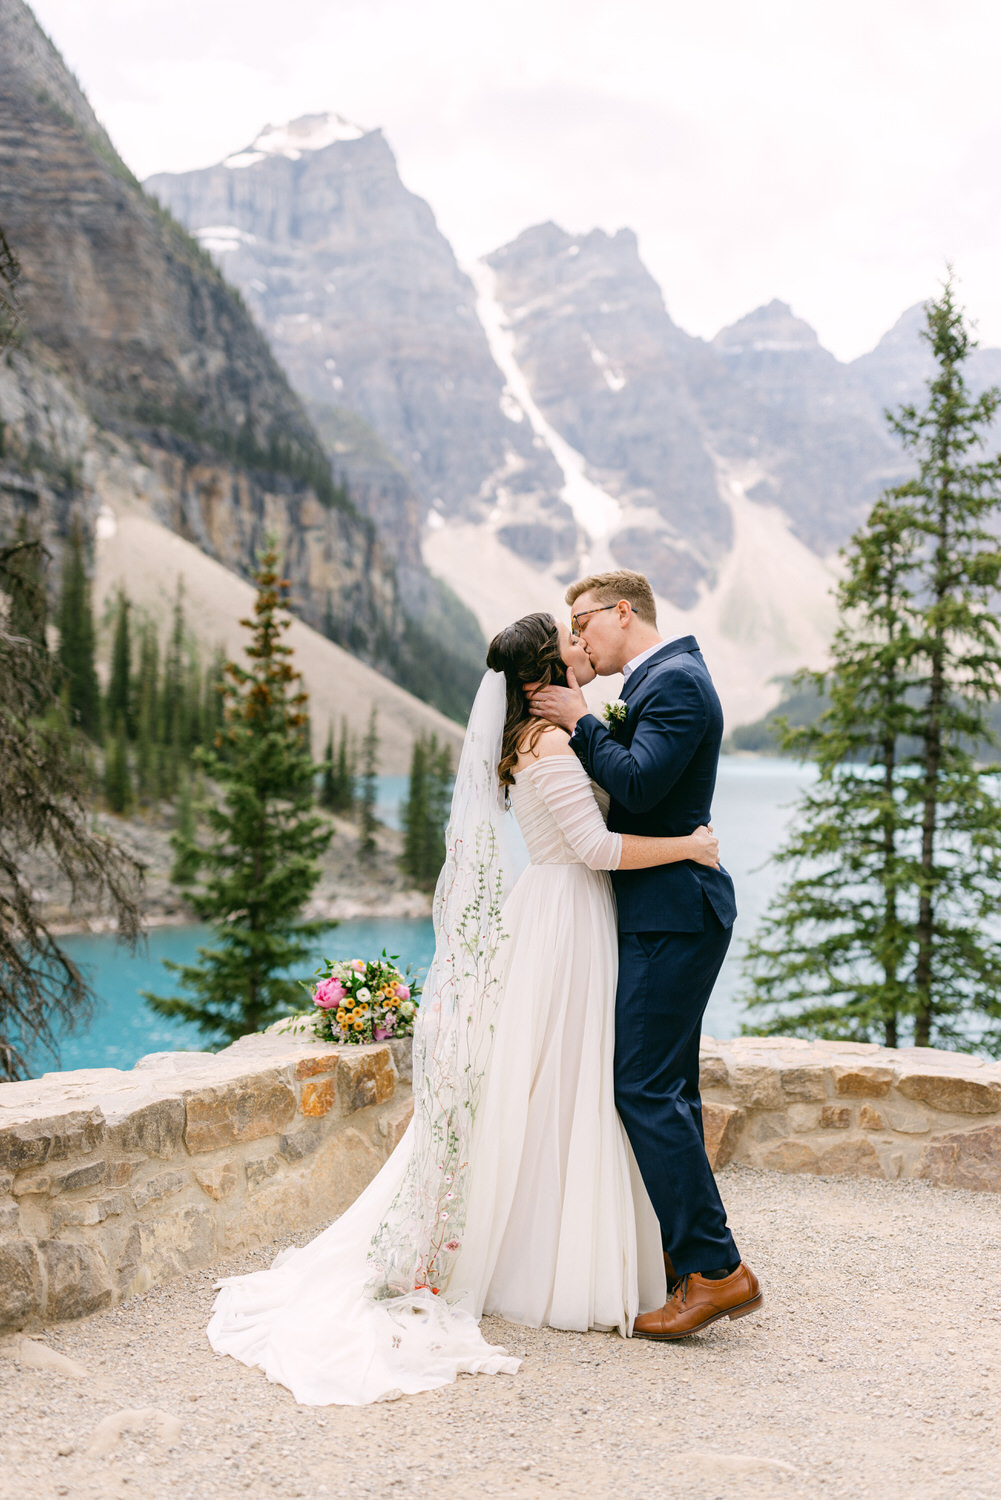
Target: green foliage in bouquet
{"points": [[358, 1000]]}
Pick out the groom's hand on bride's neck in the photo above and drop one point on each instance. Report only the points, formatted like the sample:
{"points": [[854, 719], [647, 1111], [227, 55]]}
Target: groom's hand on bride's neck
{"points": [[559, 705]]}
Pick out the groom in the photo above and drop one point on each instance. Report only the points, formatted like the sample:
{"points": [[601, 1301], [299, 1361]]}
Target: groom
{"points": [[658, 762]]}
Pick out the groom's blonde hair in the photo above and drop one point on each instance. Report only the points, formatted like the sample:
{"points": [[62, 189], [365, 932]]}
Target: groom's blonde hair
{"points": [[609, 588]]}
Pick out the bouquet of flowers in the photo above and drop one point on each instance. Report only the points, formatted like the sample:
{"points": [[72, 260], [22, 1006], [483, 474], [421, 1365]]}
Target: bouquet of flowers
{"points": [[358, 1000]]}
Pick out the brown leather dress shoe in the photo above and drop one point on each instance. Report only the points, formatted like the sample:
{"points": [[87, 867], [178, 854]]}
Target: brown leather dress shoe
{"points": [[696, 1302]]}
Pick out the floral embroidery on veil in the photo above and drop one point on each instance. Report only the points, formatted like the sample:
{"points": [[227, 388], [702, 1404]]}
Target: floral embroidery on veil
{"points": [[416, 1244]]}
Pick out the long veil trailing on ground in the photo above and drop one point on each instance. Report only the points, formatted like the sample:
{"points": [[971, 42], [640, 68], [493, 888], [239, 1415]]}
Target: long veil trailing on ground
{"points": [[363, 1312], [417, 1243]]}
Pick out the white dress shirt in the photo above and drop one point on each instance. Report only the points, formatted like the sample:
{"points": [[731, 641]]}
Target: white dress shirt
{"points": [[630, 666]]}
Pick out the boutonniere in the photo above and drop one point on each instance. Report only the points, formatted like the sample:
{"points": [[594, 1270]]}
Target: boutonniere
{"points": [[614, 714]]}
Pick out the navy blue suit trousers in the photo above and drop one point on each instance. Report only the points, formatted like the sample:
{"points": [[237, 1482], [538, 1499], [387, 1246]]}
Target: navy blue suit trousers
{"points": [[665, 980]]}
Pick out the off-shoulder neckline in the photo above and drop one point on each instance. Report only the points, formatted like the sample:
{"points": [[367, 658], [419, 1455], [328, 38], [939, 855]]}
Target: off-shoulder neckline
{"points": [[542, 760]]}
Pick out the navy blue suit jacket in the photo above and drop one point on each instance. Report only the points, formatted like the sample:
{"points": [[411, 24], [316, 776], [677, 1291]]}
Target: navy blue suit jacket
{"points": [[660, 770]]}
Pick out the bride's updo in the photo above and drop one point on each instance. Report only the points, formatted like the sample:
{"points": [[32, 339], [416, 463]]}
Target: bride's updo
{"points": [[527, 651]]}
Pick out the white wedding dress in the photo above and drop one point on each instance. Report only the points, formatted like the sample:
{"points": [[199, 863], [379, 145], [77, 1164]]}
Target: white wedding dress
{"points": [[558, 1229]]}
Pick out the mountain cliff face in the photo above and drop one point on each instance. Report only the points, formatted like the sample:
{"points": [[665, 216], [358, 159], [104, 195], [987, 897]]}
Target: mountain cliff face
{"points": [[544, 415], [142, 374], [606, 367], [364, 303], [812, 437]]}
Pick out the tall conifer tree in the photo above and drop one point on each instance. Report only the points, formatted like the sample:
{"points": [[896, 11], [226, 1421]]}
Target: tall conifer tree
{"points": [[261, 862], [415, 814], [887, 929], [426, 810], [77, 641], [344, 774], [146, 697], [28, 607], [119, 699], [117, 778], [368, 787], [327, 793]]}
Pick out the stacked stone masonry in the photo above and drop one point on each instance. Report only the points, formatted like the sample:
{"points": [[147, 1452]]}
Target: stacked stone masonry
{"points": [[850, 1107], [113, 1181]]}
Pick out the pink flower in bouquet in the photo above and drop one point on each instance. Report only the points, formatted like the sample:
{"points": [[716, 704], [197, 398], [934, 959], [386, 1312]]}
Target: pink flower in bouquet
{"points": [[329, 994], [402, 991], [382, 1033]]}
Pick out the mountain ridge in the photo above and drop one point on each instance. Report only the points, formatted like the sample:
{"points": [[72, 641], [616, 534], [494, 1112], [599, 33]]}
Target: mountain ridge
{"points": [[589, 429], [138, 359]]}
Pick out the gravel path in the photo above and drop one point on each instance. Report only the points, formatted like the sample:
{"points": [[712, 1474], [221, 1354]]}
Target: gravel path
{"points": [[875, 1369]]}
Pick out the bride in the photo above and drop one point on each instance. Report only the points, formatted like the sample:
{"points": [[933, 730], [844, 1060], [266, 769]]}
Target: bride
{"points": [[514, 1190]]}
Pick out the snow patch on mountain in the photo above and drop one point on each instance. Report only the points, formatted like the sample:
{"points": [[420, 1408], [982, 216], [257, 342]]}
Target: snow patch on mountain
{"points": [[307, 133], [750, 630], [597, 513], [613, 378], [219, 239]]}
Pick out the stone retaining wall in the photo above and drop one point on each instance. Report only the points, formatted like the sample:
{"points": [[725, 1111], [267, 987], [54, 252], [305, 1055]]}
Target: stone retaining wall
{"points": [[112, 1181], [842, 1107]]}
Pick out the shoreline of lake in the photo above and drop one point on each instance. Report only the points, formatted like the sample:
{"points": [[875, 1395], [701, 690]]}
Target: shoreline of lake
{"points": [[375, 908]]}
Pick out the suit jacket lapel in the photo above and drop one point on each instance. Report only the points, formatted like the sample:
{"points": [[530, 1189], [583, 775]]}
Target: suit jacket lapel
{"points": [[673, 648]]}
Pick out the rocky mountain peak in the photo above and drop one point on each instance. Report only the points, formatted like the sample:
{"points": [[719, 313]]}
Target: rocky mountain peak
{"points": [[905, 331], [141, 382], [27, 52], [772, 328], [363, 300], [307, 133]]}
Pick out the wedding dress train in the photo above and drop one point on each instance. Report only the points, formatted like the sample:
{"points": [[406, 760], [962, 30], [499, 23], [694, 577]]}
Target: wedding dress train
{"points": [[558, 1227]]}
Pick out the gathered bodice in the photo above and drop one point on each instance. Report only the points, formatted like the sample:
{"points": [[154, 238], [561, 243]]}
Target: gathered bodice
{"points": [[561, 814]]}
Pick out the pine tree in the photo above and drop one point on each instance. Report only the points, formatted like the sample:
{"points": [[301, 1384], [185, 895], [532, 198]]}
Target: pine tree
{"points": [[117, 780], [77, 641], [440, 802], [173, 715], [326, 795], [426, 811], [118, 704], [187, 859], [886, 927], [146, 697], [213, 716], [25, 578], [344, 775], [194, 733], [260, 864], [369, 786], [415, 814], [43, 807]]}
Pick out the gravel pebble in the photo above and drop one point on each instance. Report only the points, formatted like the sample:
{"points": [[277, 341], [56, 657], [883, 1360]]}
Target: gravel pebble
{"points": [[874, 1369]]}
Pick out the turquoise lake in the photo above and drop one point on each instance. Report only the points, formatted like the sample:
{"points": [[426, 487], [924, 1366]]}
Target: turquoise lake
{"points": [[754, 803]]}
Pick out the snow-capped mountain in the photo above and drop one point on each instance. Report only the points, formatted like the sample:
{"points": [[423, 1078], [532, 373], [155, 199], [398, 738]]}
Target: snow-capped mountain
{"points": [[540, 414], [365, 305]]}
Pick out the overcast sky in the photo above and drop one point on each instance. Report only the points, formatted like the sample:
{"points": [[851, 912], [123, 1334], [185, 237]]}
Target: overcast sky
{"points": [[833, 153]]}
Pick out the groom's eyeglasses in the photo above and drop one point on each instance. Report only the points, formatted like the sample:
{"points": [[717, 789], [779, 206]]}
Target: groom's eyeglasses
{"points": [[577, 621]]}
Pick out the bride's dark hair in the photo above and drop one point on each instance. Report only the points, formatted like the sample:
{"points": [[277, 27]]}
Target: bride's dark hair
{"points": [[527, 651]]}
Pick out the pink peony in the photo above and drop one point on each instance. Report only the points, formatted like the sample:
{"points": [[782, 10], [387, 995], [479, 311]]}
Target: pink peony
{"points": [[329, 994], [402, 991]]}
